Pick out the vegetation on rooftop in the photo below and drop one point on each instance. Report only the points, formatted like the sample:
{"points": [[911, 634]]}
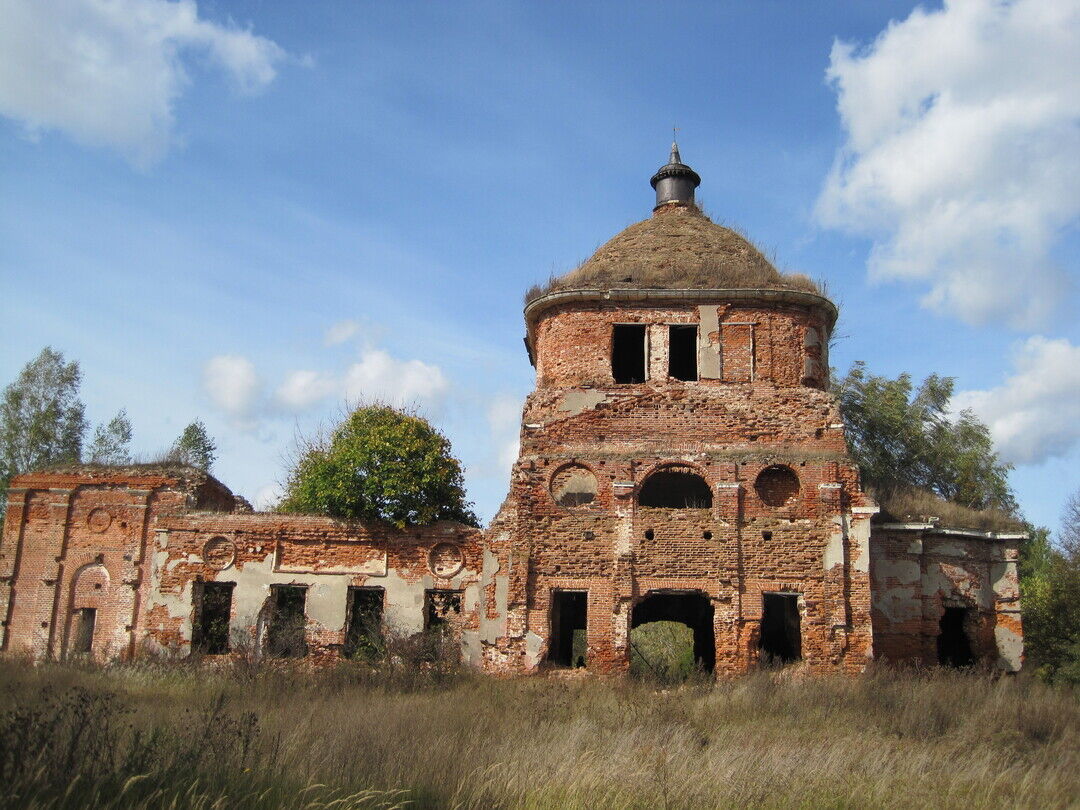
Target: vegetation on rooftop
{"points": [[678, 248]]}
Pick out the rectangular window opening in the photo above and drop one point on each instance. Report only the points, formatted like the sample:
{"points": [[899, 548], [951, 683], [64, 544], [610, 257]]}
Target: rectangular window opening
{"points": [[568, 645], [364, 628], [781, 634], [83, 640], [285, 636], [682, 352], [213, 610], [440, 608], [628, 353]]}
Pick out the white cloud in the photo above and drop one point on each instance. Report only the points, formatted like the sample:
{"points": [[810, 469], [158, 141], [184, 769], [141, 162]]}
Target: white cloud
{"points": [[232, 384], [302, 389], [340, 332], [108, 72], [267, 497], [1035, 414], [376, 377], [504, 419], [962, 157]]}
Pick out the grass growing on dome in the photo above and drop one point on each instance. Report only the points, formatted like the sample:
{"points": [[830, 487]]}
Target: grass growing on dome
{"points": [[680, 248]]}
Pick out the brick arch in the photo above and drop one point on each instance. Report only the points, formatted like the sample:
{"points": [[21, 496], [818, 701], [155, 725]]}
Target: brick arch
{"points": [[571, 466], [89, 589], [90, 585], [701, 489]]}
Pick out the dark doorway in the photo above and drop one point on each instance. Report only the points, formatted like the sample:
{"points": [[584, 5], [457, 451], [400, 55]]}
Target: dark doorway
{"points": [[675, 489], [781, 635], [690, 608], [440, 606], [628, 353], [285, 636], [213, 609], [953, 644], [568, 645], [82, 642], [682, 352], [363, 630]]}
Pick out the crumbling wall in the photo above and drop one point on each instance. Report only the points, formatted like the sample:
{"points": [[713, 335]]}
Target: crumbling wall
{"points": [[756, 405], [75, 539], [921, 570], [324, 556]]}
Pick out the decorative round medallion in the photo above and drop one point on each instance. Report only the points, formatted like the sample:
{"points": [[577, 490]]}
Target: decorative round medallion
{"points": [[573, 485], [219, 553], [98, 520], [446, 559]]}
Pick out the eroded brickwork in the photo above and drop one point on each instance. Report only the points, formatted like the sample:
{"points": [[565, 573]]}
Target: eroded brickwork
{"points": [[921, 571], [721, 496], [137, 545]]}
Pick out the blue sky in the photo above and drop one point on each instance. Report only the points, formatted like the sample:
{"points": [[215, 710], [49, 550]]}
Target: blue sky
{"points": [[245, 212]]}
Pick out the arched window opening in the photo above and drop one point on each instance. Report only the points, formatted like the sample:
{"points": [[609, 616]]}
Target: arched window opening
{"points": [[675, 488]]}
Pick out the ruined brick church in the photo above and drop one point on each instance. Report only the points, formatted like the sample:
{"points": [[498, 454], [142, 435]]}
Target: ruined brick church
{"points": [[681, 459]]}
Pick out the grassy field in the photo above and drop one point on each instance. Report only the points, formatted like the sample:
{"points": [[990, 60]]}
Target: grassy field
{"points": [[157, 735]]}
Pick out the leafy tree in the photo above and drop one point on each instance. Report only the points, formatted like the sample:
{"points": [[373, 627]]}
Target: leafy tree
{"points": [[905, 438], [381, 464], [112, 442], [42, 419], [194, 446], [1050, 582]]}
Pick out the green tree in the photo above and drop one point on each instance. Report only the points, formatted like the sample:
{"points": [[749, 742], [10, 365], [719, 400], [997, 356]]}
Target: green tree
{"points": [[379, 464], [1050, 583], [905, 438], [112, 442], [194, 446], [42, 419]]}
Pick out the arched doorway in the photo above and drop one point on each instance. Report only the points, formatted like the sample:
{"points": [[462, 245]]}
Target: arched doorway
{"points": [[691, 608]]}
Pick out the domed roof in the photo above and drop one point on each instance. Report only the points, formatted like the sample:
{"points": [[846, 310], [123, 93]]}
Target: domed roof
{"points": [[677, 248]]}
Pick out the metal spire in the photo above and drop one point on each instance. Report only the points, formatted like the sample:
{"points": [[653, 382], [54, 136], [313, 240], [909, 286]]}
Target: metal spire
{"points": [[675, 182]]}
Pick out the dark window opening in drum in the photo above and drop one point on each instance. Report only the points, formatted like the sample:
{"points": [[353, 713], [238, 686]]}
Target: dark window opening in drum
{"points": [[682, 353], [628, 353]]}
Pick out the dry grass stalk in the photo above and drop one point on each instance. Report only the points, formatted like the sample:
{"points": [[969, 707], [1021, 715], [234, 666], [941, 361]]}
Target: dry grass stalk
{"points": [[922, 506], [678, 248], [281, 738]]}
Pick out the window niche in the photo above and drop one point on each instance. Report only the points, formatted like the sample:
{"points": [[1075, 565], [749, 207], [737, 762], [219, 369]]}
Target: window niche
{"points": [[82, 642], [285, 634], [675, 488], [777, 485], [364, 627], [213, 611], [573, 485], [628, 353], [682, 353], [441, 607]]}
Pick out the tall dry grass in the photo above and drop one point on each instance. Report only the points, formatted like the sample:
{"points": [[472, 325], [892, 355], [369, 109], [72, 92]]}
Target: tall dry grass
{"points": [[172, 736]]}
